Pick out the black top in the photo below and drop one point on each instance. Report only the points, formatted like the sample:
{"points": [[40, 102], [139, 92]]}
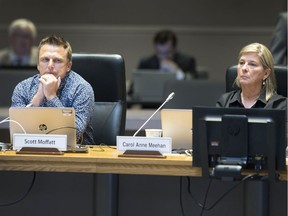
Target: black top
{"points": [[233, 99], [186, 63]]}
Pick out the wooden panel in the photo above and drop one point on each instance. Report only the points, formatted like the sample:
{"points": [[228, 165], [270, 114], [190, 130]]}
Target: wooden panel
{"points": [[214, 47], [101, 160]]}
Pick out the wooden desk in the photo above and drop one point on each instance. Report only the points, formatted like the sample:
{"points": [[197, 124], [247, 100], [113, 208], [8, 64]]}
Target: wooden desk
{"points": [[155, 175], [97, 161], [102, 160]]}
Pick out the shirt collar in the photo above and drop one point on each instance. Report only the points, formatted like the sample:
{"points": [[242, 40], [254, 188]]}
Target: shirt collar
{"points": [[262, 97], [236, 98]]}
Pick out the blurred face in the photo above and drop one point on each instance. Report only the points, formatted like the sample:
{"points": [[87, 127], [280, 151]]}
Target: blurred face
{"points": [[250, 70], [21, 41], [165, 51], [53, 60]]}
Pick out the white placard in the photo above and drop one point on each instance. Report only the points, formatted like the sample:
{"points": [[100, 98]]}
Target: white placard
{"points": [[58, 141], [161, 144]]}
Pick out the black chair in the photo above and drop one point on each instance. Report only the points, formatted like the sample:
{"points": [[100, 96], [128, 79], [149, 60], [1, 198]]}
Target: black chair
{"points": [[280, 73], [189, 93], [106, 74]]}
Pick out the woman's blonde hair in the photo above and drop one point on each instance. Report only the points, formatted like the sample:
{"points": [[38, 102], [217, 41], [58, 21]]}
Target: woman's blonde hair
{"points": [[267, 62]]}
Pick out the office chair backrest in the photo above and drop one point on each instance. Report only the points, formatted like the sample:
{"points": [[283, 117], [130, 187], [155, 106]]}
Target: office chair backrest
{"points": [[280, 73], [107, 122], [189, 93], [106, 74]]}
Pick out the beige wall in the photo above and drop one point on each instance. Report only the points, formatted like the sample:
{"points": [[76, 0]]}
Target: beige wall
{"points": [[213, 48], [136, 12], [211, 31]]}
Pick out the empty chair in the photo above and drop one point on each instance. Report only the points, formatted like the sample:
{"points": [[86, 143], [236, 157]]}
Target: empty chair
{"points": [[106, 74]]}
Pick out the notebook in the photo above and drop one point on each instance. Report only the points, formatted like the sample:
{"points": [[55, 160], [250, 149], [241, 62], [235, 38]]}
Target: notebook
{"points": [[177, 124], [44, 120], [148, 85]]}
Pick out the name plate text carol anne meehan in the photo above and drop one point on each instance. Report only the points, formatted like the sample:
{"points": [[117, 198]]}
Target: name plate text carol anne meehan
{"points": [[161, 144]]}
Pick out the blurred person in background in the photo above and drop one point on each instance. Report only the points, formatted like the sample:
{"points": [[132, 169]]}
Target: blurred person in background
{"points": [[21, 52], [167, 58]]}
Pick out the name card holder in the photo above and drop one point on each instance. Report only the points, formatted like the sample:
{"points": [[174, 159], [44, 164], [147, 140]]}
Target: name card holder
{"points": [[39, 143], [144, 146], [36, 150], [142, 154]]}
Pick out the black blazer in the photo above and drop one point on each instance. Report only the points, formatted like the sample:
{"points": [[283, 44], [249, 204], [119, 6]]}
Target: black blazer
{"points": [[186, 63]]}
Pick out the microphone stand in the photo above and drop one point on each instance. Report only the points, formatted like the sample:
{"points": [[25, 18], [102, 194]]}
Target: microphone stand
{"points": [[168, 99]]}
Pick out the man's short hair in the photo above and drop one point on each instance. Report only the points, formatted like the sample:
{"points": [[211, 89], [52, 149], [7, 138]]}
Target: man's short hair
{"points": [[57, 41]]}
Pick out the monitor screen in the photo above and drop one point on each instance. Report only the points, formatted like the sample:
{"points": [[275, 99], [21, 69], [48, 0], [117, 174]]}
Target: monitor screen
{"points": [[245, 137], [9, 78]]}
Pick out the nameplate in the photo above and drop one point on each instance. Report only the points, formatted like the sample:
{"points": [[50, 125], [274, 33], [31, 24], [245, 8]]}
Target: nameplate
{"points": [[161, 144], [58, 141]]}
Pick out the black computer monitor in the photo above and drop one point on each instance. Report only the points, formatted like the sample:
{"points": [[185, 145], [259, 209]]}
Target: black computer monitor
{"points": [[251, 138], [9, 78]]}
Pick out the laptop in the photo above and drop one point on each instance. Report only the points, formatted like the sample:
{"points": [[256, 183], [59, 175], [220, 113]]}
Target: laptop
{"points": [[44, 120], [148, 85], [177, 124]]}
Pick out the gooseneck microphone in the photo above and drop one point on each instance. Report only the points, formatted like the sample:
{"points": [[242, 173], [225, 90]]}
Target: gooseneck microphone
{"points": [[170, 97]]}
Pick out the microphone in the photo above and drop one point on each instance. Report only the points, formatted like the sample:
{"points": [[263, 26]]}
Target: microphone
{"points": [[170, 97]]}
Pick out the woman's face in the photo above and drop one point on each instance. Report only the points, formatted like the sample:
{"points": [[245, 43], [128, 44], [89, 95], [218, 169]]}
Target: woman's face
{"points": [[250, 71]]}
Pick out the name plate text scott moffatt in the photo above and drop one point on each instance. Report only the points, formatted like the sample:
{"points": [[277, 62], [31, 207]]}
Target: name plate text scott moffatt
{"points": [[58, 141]]}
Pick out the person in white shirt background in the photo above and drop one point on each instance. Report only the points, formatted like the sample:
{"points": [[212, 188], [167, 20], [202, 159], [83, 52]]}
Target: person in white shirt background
{"points": [[22, 34]]}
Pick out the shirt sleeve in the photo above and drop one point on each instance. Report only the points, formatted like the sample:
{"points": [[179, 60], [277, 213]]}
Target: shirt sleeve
{"points": [[83, 103], [226, 99], [55, 102], [221, 101], [19, 98]]}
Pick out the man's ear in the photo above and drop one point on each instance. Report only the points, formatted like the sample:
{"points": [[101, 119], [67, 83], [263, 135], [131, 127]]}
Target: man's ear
{"points": [[69, 66]]}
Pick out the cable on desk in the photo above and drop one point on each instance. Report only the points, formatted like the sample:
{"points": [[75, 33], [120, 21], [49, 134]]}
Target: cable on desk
{"points": [[109, 146], [4, 120], [13, 121], [100, 146], [24, 196], [65, 127]]}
